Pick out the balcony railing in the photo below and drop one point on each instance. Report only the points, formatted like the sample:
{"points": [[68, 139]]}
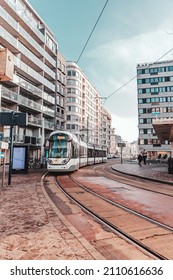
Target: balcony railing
{"points": [[34, 121], [29, 87], [31, 72], [48, 125], [29, 103], [8, 18], [6, 93], [21, 14], [36, 46], [48, 98], [24, 139], [48, 111], [8, 37], [36, 60]]}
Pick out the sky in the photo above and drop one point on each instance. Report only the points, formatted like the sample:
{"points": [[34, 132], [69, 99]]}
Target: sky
{"points": [[128, 33]]}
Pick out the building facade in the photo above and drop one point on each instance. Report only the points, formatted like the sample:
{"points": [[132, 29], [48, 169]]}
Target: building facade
{"points": [[34, 81], [85, 114], [61, 92], [155, 100], [106, 129]]}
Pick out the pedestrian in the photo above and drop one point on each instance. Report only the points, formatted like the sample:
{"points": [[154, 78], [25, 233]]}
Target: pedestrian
{"points": [[140, 160], [144, 156]]}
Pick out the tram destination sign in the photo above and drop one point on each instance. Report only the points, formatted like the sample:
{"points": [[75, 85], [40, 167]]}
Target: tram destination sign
{"points": [[121, 144]]}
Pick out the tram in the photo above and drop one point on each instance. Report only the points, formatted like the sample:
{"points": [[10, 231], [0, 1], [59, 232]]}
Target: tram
{"points": [[66, 153]]}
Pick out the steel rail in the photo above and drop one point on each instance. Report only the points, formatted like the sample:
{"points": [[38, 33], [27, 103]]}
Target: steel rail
{"points": [[112, 227]]}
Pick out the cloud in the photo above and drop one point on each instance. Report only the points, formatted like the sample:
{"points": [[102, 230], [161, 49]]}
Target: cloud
{"points": [[125, 127], [112, 64]]}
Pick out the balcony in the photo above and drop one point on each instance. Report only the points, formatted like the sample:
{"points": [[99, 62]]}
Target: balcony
{"points": [[36, 46], [9, 39], [48, 111], [28, 21], [35, 60], [10, 95], [34, 121], [29, 87], [24, 139], [6, 17], [49, 125], [28, 103], [50, 99], [32, 73]]}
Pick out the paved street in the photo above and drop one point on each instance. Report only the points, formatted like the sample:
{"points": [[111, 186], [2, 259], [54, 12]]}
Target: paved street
{"points": [[31, 228]]}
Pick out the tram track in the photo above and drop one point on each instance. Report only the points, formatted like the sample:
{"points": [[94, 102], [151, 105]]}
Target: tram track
{"points": [[144, 232], [140, 183]]}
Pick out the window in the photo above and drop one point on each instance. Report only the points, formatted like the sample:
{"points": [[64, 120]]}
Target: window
{"points": [[72, 100], [140, 90], [72, 73], [141, 111], [72, 82], [141, 142], [50, 43], [150, 142]]}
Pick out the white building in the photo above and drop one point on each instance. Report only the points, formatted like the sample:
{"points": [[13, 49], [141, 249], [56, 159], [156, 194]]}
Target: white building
{"points": [[155, 100], [85, 114], [30, 81]]}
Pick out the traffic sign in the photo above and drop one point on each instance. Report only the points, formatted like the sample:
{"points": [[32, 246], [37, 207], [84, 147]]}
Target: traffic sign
{"points": [[121, 144], [15, 118]]}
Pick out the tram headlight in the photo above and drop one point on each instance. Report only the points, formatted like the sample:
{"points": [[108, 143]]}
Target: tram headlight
{"points": [[50, 161], [65, 161]]}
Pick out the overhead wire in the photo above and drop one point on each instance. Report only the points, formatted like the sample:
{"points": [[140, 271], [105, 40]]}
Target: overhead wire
{"points": [[92, 30], [130, 80]]}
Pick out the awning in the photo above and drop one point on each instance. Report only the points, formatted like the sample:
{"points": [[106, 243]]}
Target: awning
{"points": [[163, 129]]}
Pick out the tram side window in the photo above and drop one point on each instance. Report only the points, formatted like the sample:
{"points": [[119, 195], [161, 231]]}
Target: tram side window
{"points": [[96, 153], [100, 153], [103, 153], [83, 152], [75, 150], [90, 153]]}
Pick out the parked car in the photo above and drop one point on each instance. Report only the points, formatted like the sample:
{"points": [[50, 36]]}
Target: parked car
{"points": [[109, 156]]}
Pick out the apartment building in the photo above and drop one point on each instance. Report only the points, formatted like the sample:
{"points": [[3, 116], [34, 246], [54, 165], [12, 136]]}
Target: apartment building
{"points": [[36, 75], [60, 92], [155, 100], [85, 114], [112, 142], [106, 129]]}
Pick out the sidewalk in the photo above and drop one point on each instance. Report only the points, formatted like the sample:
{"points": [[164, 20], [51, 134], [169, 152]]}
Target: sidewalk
{"points": [[156, 172], [31, 228]]}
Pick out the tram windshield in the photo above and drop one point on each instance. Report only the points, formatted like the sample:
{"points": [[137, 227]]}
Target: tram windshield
{"points": [[59, 146]]}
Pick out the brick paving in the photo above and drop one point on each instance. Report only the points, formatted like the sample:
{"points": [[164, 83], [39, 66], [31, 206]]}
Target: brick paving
{"points": [[31, 227], [156, 172]]}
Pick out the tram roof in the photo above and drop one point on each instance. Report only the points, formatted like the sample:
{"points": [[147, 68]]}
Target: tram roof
{"points": [[164, 129]]}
